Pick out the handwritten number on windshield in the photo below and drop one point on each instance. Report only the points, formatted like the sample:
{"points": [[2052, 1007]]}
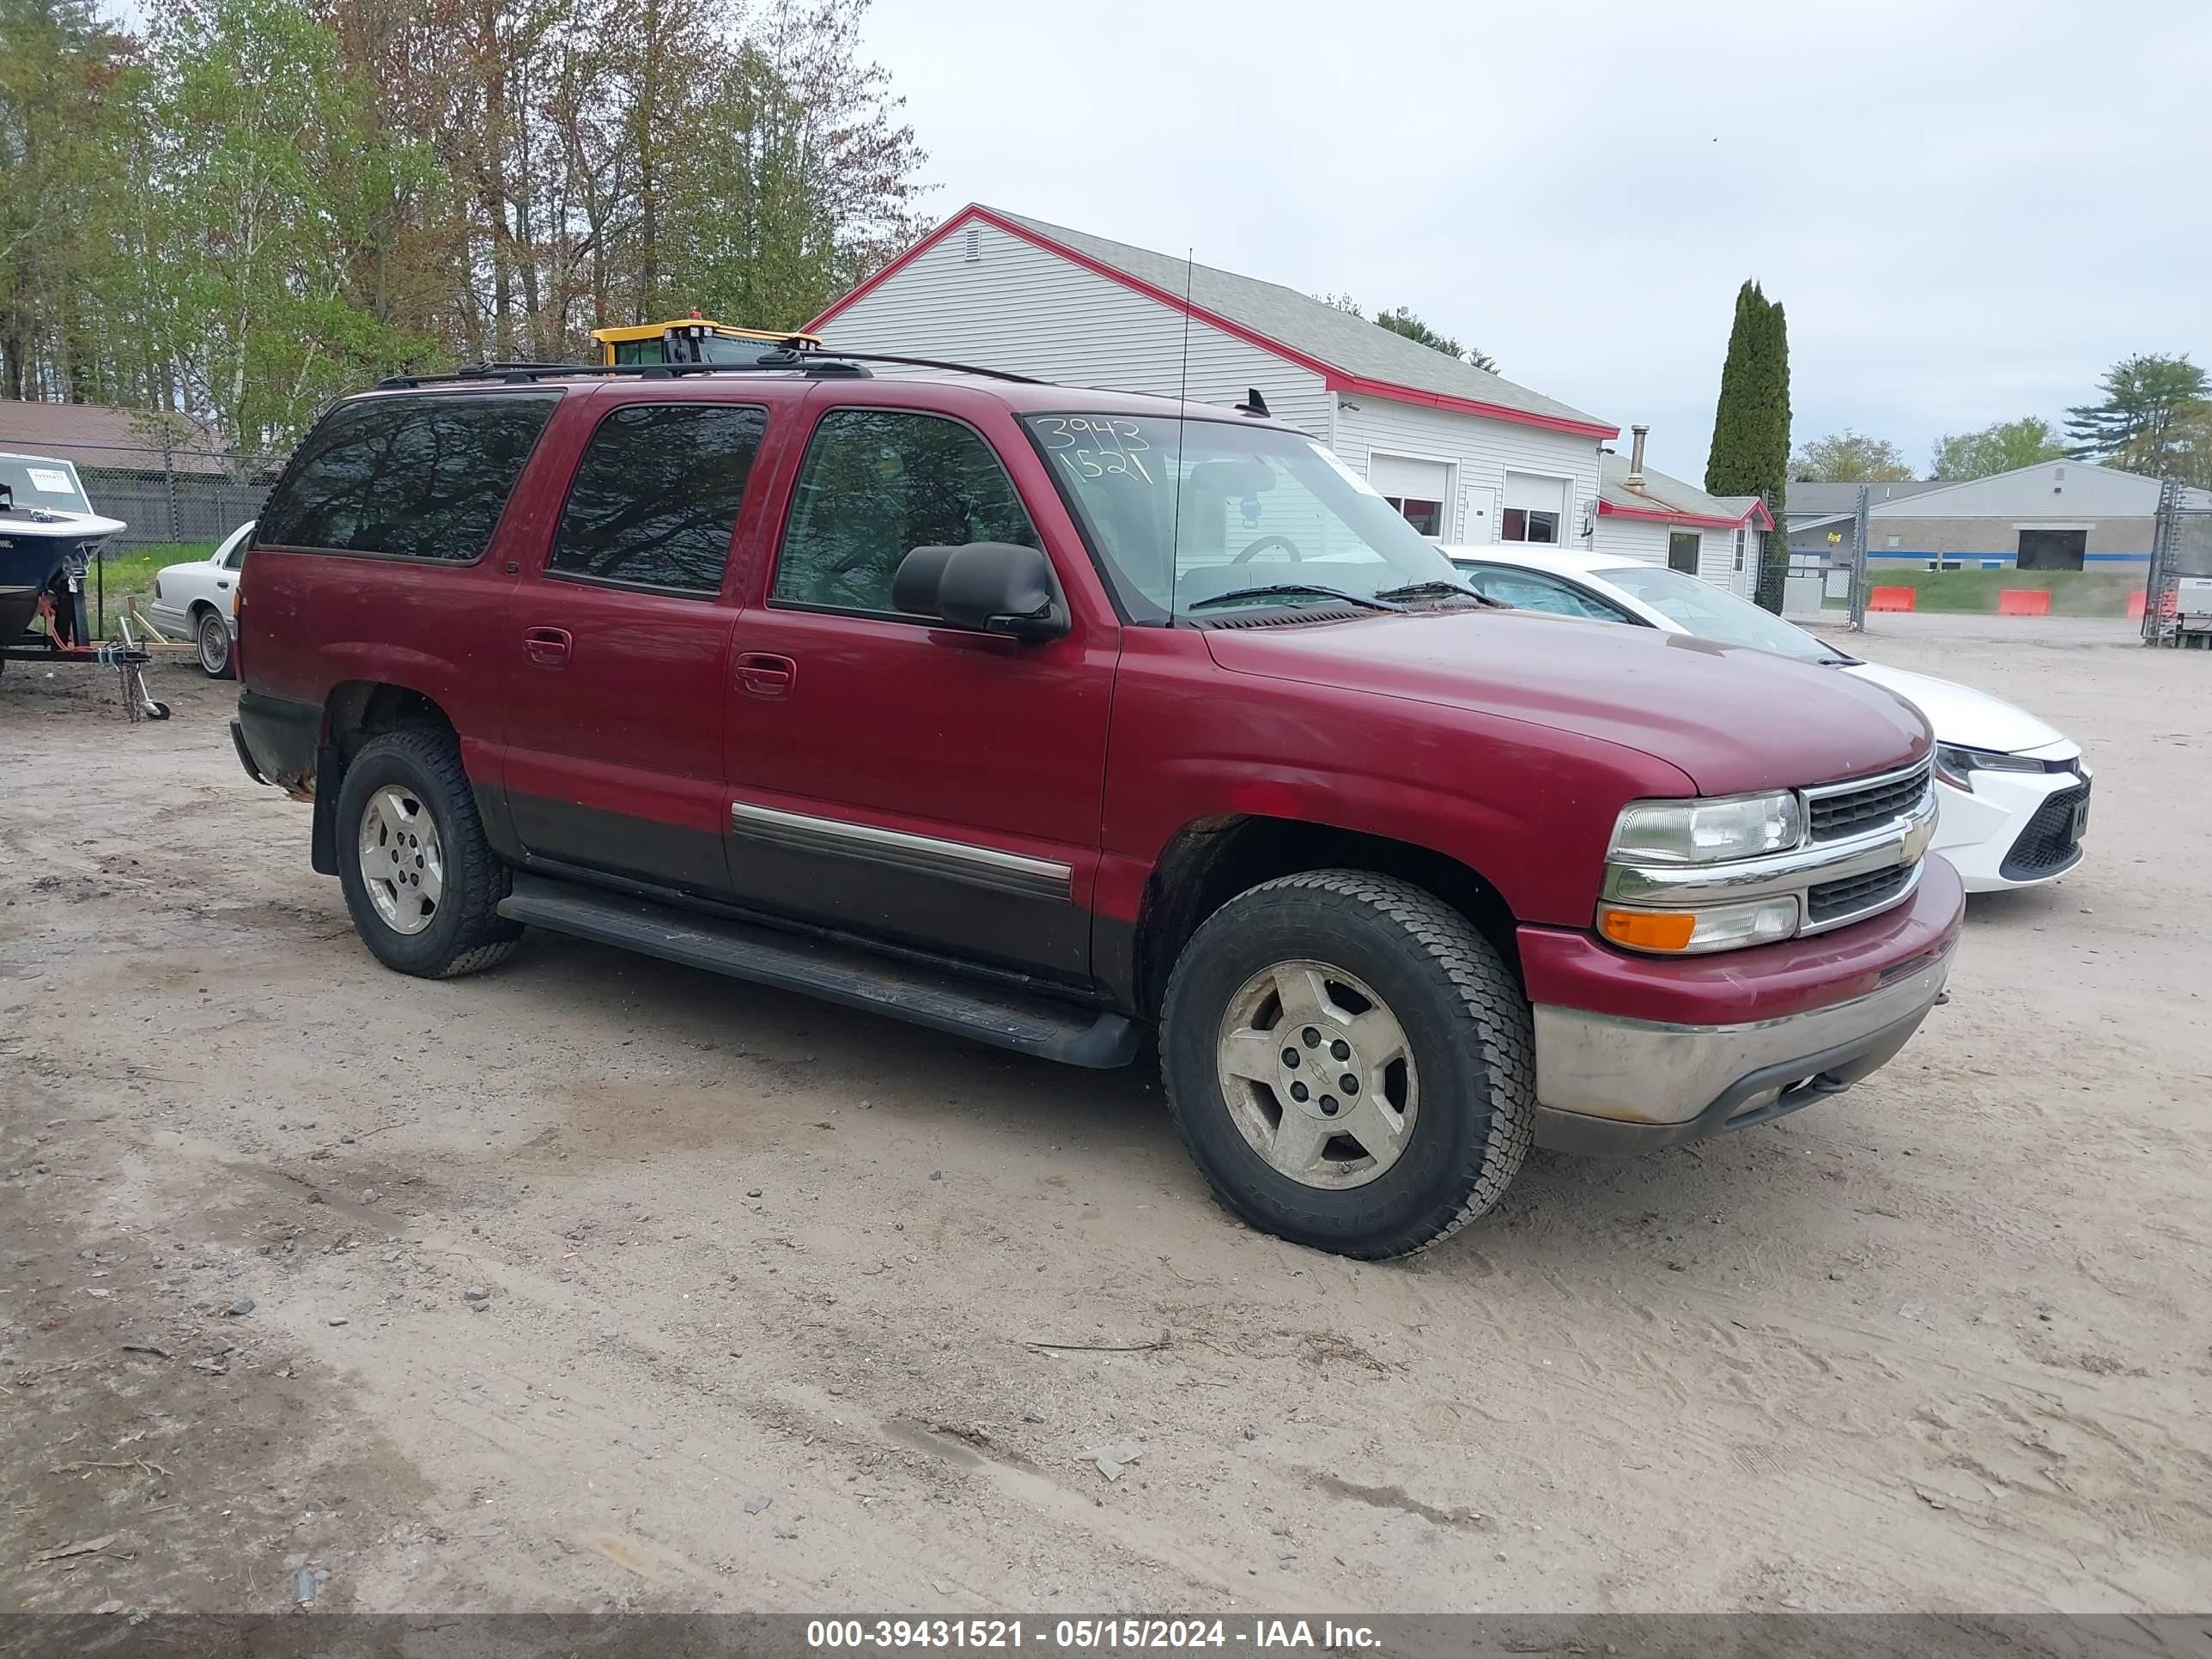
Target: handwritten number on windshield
{"points": [[1096, 448]]}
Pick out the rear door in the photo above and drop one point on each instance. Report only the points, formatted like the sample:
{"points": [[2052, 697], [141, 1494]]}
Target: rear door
{"points": [[616, 644], [893, 776]]}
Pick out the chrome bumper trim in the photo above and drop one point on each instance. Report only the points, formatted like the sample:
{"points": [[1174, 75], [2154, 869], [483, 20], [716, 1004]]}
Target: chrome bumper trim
{"points": [[1650, 1073]]}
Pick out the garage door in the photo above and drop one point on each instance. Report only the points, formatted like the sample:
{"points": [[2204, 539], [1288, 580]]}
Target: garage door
{"points": [[1535, 509], [1417, 489]]}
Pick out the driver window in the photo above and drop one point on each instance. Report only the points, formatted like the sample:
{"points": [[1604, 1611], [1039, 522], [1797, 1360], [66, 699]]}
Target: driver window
{"points": [[876, 484], [1528, 590]]}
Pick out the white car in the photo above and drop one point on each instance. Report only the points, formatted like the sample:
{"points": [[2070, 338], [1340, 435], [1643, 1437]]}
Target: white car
{"points": [[2013, 794], [200, 598]]}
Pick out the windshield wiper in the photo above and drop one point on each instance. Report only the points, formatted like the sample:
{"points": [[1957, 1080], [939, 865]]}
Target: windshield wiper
{"points": [[1285, 589], [1438, 590]]}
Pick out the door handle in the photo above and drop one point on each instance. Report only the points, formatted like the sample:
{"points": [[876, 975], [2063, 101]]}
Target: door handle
{"points": [[548, 646], [222, 585], [765, 674]]}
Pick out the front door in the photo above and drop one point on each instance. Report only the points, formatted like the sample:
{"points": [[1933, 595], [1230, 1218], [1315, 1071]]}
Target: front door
{"points": [[894, 777], [619, 646]]}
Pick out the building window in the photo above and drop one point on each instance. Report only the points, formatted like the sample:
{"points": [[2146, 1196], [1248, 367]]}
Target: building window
{"points": [[1739, 548], [1682, 551], [1427, 517]]}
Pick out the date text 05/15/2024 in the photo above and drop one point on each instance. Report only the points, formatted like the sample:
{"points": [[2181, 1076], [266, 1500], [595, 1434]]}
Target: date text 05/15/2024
{"points": [[1086, 1634]]}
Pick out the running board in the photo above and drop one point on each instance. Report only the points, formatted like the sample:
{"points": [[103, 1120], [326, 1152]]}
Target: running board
{"points": [[1001, 1015]]}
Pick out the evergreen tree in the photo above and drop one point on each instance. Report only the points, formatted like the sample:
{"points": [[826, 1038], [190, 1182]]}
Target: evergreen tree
{"points": [[2150, 404], [1750, 454]]}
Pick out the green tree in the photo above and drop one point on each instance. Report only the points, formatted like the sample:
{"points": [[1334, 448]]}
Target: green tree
{"points": [[2001, 446], [2141, 425], [1848, 457], [1750, 452], [270, 173], [1401, 320]]}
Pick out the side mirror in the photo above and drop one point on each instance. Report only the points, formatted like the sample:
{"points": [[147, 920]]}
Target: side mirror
{"points": [[993, 587]]}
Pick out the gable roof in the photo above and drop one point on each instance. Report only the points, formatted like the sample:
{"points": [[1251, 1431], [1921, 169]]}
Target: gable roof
{"points": [[1350, 354], [1669, 500], [1826, 501], [101, 436]]}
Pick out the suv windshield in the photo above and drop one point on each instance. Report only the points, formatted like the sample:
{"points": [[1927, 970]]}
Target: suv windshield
{"points": [[1184, 514], [35, 483], [1713, 613]]}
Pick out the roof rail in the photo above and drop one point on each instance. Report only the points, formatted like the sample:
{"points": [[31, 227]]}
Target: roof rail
{"points": [[524, 373], [818, 363]]}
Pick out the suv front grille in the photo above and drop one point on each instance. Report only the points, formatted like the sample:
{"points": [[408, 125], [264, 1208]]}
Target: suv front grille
{"points": [[2047, 845], [1830, 901], [1847, 810]]}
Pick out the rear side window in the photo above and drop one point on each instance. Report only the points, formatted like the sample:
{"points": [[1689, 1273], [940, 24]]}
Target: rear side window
{"points": [[410, 478], [656, 496], [877, 484]]}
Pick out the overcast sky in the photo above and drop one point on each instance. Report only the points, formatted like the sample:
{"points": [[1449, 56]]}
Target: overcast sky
{"points": [[1969, 209]]}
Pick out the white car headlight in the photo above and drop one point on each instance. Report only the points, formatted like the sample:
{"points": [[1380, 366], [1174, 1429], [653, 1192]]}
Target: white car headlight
{"points": [[1708, 831], [1956, 764]]}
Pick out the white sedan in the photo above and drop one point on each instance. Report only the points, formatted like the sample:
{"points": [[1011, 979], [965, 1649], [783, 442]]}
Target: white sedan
{"points": [[2013, 794], [200, 598]]}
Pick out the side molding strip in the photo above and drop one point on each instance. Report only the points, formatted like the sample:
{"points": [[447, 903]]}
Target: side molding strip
{"points": [[953, 860]]}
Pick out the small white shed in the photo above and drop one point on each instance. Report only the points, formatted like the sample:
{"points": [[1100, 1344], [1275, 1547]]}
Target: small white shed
{"points": [[1643, 514], [1466, 455]]}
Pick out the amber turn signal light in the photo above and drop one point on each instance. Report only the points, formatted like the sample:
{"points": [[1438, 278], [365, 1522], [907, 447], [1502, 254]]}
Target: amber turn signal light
{"points": [[1647, 929]]}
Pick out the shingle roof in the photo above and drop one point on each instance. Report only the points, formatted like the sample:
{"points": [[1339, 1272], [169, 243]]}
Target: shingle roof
{"points": [[99, 434], [1306, 327], [1663, 494]]}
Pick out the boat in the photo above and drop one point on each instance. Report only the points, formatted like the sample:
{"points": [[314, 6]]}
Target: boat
{"points": [[48, 534]]}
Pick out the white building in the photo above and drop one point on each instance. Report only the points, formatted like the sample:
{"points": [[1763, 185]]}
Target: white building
{"points": [[1641, 514], [1465, 455]]}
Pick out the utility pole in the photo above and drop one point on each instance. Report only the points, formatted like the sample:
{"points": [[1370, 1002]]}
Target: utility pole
{"points": [[1858, 561]]}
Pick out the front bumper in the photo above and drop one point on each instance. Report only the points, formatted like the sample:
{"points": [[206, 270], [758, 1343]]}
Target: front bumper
{"points": [[1607, 1082], [1996, 834]]}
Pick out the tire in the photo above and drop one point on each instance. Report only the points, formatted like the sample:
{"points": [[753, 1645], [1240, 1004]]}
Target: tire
{"points": [[416, 779], [211, 633], [1460, 1025]]}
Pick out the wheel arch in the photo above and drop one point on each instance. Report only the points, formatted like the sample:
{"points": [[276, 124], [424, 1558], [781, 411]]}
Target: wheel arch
{"points": [[354, 712], [1209, 861]]}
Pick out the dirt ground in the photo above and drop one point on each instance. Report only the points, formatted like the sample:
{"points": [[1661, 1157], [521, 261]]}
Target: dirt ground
{"points": [[597, 1283]]}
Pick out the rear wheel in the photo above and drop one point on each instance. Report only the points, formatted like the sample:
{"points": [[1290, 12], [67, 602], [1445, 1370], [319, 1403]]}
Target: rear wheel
{"points": [[213, 636], [1350, 1062], [420, 878]]}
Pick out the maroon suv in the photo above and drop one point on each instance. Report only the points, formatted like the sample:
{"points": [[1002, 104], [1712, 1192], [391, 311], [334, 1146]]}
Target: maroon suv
{"points": [[1043, 716]]}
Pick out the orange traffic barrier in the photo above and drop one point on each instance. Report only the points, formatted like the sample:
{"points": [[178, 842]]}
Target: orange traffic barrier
{"points": [[2024, 602], [1892, 598], [2135, 607]]}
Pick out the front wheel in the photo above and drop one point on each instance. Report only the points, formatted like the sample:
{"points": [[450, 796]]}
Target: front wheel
{"points": [[1350, 1062], [420, 878]]}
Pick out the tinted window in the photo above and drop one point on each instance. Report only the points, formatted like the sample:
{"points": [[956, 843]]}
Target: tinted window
{"points": [[877, 484], [656, 497], [1527, 590], [419, 478]]}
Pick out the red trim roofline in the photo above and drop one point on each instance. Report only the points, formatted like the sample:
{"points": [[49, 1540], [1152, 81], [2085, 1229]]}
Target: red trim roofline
{"points": [[1755, 512], [1336, 379]]}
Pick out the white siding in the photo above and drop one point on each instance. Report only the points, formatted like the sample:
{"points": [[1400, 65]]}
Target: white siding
{"points": [[1016, 307], [1641, 538], [1480, 451]]}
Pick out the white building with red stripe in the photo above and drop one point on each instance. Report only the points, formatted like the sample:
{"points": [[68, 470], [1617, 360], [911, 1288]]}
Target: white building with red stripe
{"points": [[1645, 514], [1468, 456]]}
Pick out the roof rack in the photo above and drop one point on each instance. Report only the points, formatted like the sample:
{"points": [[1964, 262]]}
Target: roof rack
{"points": [[812, 362]]}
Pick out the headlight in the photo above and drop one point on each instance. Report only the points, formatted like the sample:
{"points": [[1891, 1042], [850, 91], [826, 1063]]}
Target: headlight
{"points": [[1956, 765], [1709, 928], [1708, 831]]}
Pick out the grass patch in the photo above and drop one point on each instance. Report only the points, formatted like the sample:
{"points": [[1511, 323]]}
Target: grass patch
{"points": [[2073, 593]]}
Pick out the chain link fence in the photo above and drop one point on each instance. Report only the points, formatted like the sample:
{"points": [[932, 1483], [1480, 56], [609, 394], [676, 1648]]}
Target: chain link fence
{"points": [[2178, 591], [169, 496]]}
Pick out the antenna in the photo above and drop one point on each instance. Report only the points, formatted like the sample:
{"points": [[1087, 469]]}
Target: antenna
{"points": [[1182, 461]]}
